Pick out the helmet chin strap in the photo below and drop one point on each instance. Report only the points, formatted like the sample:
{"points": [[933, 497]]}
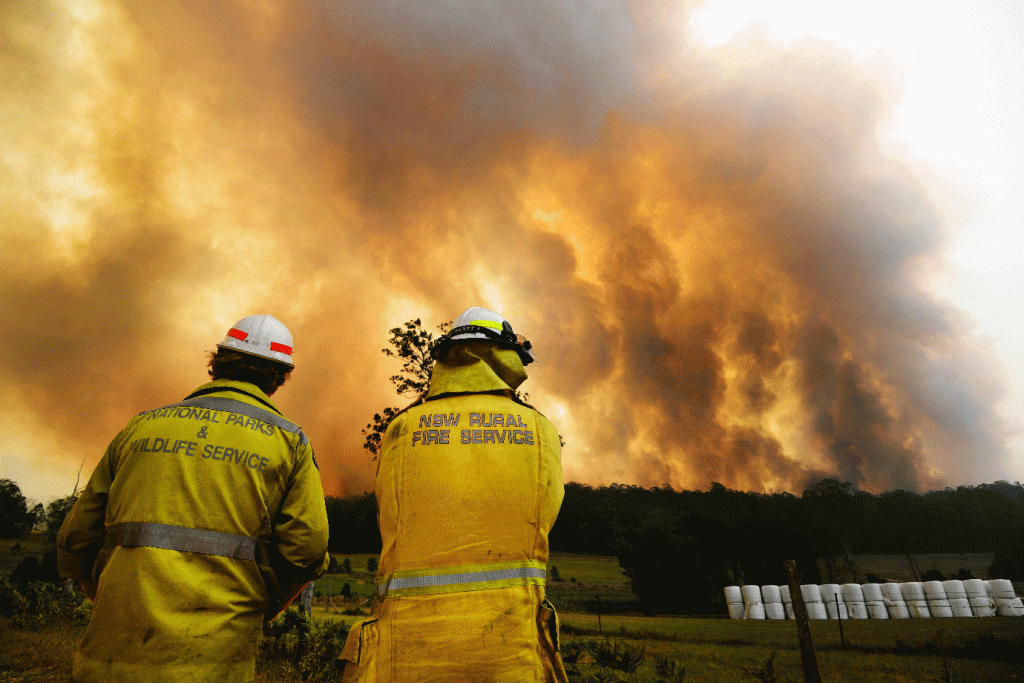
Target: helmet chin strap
{"points": [[506, 336], [481, 323]]}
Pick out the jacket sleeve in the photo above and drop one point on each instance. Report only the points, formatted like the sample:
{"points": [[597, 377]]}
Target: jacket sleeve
{"points": [[552, 486], [81, 535], [300, 533]]}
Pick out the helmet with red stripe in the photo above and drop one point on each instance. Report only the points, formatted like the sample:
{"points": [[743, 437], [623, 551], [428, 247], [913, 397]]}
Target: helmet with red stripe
{"points": [[261, 335]]}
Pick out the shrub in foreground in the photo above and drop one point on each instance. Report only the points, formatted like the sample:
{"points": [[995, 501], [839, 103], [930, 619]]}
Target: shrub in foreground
{"points": [[39, 603], [295, 645]]}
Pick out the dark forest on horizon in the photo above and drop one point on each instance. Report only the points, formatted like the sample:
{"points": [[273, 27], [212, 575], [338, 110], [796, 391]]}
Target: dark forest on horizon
{"points": [[678, 549], [829, 516]]}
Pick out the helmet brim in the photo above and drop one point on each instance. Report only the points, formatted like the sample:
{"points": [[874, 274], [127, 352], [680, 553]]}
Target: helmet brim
{"points": [[277, 356]]}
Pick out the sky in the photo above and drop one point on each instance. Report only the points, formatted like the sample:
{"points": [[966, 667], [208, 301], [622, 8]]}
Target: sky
{"points": [[755, 250]]}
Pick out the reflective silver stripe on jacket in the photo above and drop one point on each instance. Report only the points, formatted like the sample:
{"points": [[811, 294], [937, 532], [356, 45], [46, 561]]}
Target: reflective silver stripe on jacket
{"points": [[231, 405], [204, 541], [462, 578]]}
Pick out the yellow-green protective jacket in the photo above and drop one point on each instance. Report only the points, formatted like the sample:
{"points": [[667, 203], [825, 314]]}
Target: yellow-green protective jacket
{"points": [[201, 520], [469, 483]]}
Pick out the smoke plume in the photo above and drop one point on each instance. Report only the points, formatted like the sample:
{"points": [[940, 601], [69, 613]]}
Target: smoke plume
{"points": [[720, 271]]}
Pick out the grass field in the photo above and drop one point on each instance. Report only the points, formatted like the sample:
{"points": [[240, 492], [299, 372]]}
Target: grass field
{"points": [[711, 650], [898, 568], [724, 650], [586, 568]]}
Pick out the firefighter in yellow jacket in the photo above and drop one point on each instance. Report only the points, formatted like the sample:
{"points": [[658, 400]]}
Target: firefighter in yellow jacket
{"points": [[202, 519], [469, 482]]}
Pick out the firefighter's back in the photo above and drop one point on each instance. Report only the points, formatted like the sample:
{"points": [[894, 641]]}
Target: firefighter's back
{"points": [[163, 614], [468, 488]]}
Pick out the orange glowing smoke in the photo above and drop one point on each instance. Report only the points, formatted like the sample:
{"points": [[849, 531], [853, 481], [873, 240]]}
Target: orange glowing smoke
{"points": [[718, 271]]}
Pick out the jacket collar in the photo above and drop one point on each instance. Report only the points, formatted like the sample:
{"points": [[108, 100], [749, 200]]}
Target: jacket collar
{"points": [[240, 386], [477, 367]]}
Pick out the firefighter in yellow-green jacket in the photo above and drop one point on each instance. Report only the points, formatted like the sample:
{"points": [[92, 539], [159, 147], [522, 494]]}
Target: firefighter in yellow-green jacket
{"points": [[469, 483], [202, 520]]}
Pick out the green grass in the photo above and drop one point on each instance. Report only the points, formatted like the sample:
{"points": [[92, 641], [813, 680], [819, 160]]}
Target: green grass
{"points": [[363, 586], [711, 650], [898, 568], [37, 655], [586, 568], [720, 650], [361, 582], [724, 650], [866, 633]]}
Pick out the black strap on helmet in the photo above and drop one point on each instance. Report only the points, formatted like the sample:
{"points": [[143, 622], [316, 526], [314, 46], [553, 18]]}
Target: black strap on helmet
{"points": [[506, 337]]}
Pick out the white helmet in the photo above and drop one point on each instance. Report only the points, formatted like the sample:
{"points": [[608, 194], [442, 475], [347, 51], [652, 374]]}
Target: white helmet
{"points": [[261, 335], [484, 324]]}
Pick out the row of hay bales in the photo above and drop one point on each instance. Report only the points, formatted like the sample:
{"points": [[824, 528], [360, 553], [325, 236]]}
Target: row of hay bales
{"points": [[911, 600]]}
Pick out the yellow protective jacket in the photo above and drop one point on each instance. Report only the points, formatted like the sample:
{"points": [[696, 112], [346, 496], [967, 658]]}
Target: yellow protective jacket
{"points": [[201, 520], [469, 483]]}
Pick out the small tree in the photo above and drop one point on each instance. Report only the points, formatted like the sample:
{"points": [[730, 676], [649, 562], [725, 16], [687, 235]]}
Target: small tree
{"points": [[410, 343], [1008, 562], [15, 518], [675, 562], [963, 574], [26, 570], [371, 564], [56, 511], [38, 517]]}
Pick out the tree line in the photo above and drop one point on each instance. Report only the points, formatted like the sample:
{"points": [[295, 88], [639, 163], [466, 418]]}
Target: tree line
{"points": [[679, 548], [829, 516], [835, 519], [17, 518]]}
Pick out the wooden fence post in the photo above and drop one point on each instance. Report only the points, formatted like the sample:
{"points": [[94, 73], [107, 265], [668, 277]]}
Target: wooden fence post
{"points": [[839, 618], [803, 628]]}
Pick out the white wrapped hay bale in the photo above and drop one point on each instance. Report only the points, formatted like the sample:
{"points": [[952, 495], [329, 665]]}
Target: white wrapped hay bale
{"points": [[787, 601], [1006, 600], [734, 601], [977, 594], [836, 609], [935, 594], [874, 601], [812, 601], [892, 596], [853, 596], [752, 600], [956, 594], [772, 599], [913, 595]]}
